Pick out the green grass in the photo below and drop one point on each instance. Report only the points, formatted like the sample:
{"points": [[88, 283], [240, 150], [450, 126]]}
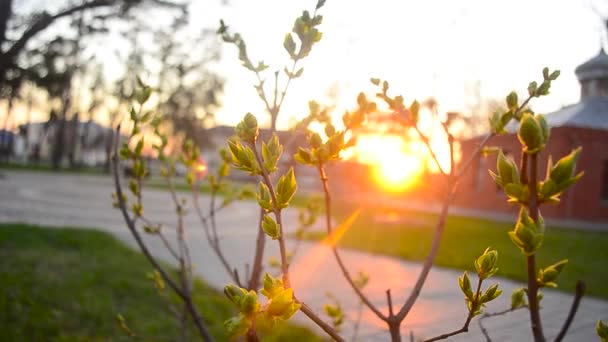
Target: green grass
{"points": [[466, 238], [61, 284]]}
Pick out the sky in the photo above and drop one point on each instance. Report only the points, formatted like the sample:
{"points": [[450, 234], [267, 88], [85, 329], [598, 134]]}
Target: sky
{"points": [[438, 48]]}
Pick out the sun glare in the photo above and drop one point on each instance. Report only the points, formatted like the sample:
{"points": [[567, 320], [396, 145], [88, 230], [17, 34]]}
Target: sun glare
{"points": [[396, 165]]}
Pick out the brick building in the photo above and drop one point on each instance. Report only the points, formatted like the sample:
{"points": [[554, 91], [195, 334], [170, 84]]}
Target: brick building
{"points": [[582, 124]]}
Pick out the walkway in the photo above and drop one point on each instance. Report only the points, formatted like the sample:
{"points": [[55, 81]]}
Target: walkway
{"points": [[69, 200]]}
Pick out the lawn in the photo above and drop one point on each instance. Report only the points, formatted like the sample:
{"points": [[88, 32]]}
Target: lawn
{"points": [[466, 238], [68, 285]]}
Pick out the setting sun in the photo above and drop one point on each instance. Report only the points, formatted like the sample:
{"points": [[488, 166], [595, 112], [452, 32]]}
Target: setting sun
{"points": [[396, 166]]}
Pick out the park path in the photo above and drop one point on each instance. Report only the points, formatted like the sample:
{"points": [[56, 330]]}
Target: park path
{"points": [[84, 201]]}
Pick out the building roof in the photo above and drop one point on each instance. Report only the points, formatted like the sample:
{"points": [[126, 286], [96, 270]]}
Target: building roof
{"points": [[590, 113], [595, 68]]}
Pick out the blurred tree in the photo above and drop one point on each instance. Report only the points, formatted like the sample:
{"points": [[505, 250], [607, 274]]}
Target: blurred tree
{"points": [[17, 30], [188, 91]]}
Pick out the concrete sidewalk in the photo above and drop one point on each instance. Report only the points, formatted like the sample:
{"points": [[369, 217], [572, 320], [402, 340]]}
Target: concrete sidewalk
{"points": [[69, 200]]}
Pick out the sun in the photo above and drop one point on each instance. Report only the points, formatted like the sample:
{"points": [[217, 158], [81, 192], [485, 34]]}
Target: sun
{"points": [[395, 166]]}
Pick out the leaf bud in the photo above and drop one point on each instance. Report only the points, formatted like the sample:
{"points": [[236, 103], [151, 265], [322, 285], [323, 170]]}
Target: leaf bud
{"points": [[530, 134], [270, 227], [247, 129], [486, 263], [518, 298]]}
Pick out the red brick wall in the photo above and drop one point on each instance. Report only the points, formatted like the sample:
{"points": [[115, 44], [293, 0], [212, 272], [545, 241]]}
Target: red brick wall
{"points": [[583, 201]]}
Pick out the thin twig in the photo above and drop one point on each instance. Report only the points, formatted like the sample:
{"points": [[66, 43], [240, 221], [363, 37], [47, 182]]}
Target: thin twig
{"points": [[336, 253], [277, 214], [470, 315], [213, 242], [142, 246], [493, 314], [259, 255], [322, 324], [427, 142], [428, 263], [578, 295]]}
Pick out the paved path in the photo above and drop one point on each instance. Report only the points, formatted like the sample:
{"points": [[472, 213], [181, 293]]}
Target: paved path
{"points": [[69, 200]]}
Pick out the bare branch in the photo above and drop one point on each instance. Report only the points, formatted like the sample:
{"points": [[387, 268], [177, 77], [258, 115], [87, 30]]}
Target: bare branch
{"points": [[142, 246], [323, 325], [578, 295], [337, 256]]}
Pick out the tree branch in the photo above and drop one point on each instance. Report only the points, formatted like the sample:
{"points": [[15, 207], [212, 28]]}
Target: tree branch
{"points": [[337, 256], [142, 246], [535, 320], [578, 295]]}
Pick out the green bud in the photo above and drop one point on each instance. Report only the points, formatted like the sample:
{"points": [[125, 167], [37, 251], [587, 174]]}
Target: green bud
{"points": [[234, 293], [247, 129], [249, 303], [530, 134], [143, 94], [548, 275], [272, 286], [270, 227], [564, 169], [263, 197], [286, 189], [133, 187], [532, 87], [486, 264], [544, 127], [237, 326], [491, 293], [137, 209], [528, 235], [315, 140], [271, 153], [508, 171], [518, 298], [151, 229], [512, 101], [465, 286], [283, 305], [303, 156], [602, 330]]}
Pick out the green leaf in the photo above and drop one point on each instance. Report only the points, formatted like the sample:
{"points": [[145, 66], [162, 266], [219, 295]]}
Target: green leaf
{"points": [[530, 134], [548, 275], [263, 197], [532, 87], [518, 298], [270, 227], [303, 156], [602, 330], [465, 286], [237, 326], [491, 293], [563, 170], [286, 189], [320, 4], [512, 101], [247, 129], [486, 263], [290, 46]]}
